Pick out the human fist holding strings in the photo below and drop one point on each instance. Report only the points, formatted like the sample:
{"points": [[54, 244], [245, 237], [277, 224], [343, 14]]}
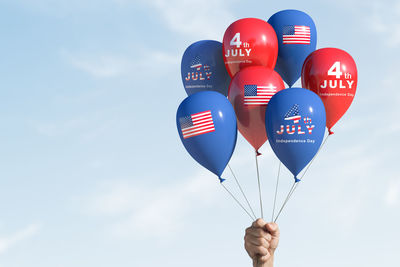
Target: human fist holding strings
{"points": [[260, 241]]}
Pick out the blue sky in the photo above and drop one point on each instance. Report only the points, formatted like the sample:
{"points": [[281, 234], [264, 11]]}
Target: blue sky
{"points": [[92, 171]]}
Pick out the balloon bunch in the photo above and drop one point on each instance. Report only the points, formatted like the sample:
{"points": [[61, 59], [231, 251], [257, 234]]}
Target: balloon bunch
{"points": [[239, 84]]}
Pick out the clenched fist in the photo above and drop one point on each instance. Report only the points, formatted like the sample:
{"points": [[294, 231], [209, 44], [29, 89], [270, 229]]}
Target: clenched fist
{"points": [[260, 241]]}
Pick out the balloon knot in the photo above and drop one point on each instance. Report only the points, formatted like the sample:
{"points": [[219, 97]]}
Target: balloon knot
{"points": [[296, 180], [330, 132], [221, 180], [258, 153]]}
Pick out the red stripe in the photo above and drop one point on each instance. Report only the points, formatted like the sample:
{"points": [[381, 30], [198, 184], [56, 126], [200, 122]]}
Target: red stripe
{"points": [[199, 130], [202, 121], [257, 100], [295, 43], [295, 37], [212, 129], [197, 127], [195, 114], [205, 117], [296, 40], [246, 98]]}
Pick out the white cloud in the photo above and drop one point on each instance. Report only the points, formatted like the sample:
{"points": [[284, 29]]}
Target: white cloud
{"points": [[103, 66], [151, 210], [392, 195], [204, 19], [59, 128], [108, 65], [21, 235], [385, 22]]}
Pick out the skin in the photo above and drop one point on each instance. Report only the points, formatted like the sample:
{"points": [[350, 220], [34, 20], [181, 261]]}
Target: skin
{"points": [[260, 241]]}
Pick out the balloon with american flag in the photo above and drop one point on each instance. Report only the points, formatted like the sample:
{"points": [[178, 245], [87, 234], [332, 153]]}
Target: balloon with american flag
{"points": [[206, 124]]}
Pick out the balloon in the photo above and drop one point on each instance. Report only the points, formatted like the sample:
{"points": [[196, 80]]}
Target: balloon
{"points": [[203, 68], [295, 124], [249, 42], [206, 124], [249, 93], [332, 74], [297, 38]]}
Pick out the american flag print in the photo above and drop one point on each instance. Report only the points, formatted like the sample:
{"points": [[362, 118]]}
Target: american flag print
{"points": [[197, 124], [258, 95], [293, 114], [196, 63], [295, 34]]}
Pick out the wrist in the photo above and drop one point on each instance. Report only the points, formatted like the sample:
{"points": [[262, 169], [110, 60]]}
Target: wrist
{"points": [[268, 263]]}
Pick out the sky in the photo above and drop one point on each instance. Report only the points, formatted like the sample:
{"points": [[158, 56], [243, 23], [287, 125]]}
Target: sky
{"points": [[92, 171]]}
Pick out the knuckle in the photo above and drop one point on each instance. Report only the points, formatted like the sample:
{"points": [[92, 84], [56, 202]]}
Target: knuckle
{"points": [[262, 251], [260, 232], [265, 258], [259, 222], [268, 237], [261, 241]]}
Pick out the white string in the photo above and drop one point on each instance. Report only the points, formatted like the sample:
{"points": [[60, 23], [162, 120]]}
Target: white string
{"points": [[286, 200], [295, 185], [259, 188], [237, 201], [276, 190], [241, 190]]}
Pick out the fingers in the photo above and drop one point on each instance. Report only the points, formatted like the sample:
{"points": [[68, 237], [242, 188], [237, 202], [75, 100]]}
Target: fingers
{"points": [[256, 241], [264, 259], [273, 229], [256, 251], [261, 240], [258, 233], [259, 223]]}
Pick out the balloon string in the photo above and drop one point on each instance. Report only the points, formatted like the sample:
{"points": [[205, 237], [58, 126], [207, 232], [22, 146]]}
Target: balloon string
{"points": [[276, 190], [259, 188], [286, 200], [295, 185], [237, 201], [241, 190]]}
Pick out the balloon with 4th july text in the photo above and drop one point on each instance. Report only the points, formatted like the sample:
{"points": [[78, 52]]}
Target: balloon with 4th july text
{"points": [[297, 38], [206, 124], [203, 68], [249, 42], [295, 124], [249, 92], [332, 74]]}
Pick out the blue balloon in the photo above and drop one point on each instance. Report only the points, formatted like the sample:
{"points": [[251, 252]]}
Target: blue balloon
{"points": [[206, 124], [203, 68], [297, 38], [295, 122]]}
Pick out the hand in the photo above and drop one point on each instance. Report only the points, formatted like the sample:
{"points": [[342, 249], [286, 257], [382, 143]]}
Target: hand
{"points": [[260, 241]]}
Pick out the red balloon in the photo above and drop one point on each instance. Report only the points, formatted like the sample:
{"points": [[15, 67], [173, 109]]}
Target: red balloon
{"points": [[249, 92], [249, 42], [332, 74]]}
